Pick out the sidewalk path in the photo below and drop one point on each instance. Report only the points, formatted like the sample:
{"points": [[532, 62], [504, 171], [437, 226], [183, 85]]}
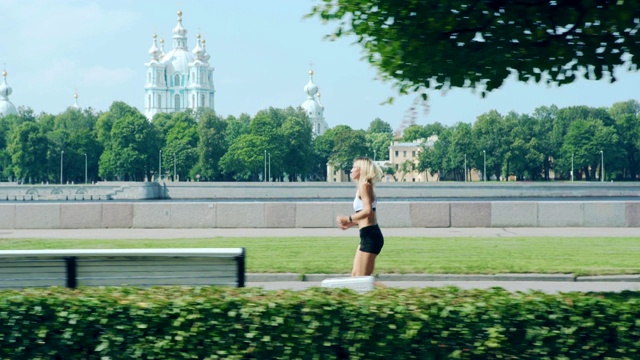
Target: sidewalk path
{"points": [[550, 287], [311, 232]]}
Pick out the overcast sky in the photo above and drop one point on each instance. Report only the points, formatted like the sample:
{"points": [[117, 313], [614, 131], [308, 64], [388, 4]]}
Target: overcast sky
{"points": [[261, 51]]}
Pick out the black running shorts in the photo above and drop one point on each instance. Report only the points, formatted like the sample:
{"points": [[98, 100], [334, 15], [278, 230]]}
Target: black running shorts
{"points": [[371, 239]]}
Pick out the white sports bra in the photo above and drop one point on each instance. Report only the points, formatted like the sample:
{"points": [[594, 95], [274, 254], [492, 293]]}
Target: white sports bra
{"points": [[357, 204]]}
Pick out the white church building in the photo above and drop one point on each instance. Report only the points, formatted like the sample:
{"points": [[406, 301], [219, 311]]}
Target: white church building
{"points": [[313, 108], [179, 79], [6, 106]]}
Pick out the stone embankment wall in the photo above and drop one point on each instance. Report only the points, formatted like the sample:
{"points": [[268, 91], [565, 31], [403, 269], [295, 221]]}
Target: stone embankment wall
{"points": [[263, 214], [316, 205]]}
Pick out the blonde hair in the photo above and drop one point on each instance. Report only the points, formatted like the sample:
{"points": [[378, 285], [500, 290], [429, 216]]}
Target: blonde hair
{"points": [[369, 171]]}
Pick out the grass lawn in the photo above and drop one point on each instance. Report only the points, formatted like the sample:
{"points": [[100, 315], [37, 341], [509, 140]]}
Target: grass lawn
{"points": [[462, 255]]}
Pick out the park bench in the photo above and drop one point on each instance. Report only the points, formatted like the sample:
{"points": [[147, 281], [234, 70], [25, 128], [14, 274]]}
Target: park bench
{"points": [[122, 267]]}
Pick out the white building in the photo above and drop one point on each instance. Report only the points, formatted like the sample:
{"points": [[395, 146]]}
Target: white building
{"points": [[179, 79], [313, 108], [6, 107]]}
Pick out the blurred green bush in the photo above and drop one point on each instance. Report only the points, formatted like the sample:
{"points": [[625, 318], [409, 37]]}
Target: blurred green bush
{"points": [[251, 323]]}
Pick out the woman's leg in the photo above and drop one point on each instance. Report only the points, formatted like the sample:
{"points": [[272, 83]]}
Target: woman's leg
{"points": [[363, 263], [356, 263]]}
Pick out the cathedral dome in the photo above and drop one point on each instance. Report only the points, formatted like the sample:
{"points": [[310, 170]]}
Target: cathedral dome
{"points": [[179, 30], [311, 88], [5, 89], [178, 60], [154, 51], [6, 107], [312, 108]]}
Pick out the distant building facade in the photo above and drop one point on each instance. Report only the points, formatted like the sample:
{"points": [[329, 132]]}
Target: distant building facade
{"points": [[403, 159], [334, 174], [179, 79]]}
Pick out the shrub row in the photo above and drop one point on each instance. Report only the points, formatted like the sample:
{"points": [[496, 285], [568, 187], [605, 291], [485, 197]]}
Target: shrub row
{"points": [[223, 323]]}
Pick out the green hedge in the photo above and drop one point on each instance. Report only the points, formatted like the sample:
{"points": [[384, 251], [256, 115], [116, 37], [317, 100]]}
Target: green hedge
{"points": [[223, 323]]}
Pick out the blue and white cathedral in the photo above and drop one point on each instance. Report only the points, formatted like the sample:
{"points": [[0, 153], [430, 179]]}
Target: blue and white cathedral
{"points": [[313, 108], [6, 107], [179, 79]]}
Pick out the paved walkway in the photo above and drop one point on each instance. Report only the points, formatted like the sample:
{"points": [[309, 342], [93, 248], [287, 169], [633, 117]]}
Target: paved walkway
{"points": [[311, 232], [550, 287], [512, 282]]}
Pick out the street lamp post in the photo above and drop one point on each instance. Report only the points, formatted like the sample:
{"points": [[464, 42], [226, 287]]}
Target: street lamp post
{"points": [[484, 172], [85, 168], [601, 166], [465, 167], [269, 167], [264, 175], [174, 167], [571, 167], [61, 162], [160, 166]]}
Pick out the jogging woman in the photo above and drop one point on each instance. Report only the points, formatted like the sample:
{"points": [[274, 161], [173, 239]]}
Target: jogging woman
{"points": [[364, 172]]}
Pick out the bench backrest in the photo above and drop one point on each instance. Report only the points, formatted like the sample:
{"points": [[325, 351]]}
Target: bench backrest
{"points": [[122, 267]]}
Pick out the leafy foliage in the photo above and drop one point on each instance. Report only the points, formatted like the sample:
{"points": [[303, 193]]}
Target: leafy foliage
{"points": [[218, 323], [377, 126], [28, 149], [131, 147], [120, 144], [348, 145], [433, 44], [211, 146], [180, 152]]}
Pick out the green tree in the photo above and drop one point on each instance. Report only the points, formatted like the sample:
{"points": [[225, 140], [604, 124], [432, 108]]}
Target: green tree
{"points": [[413, 132], [489, 138], [563, 122], [266, 125], [28, 150], [130, 153], [236, 127], [8, 126], [104, 124], [434, 44], [348, 145], [549, 145], [297, 133], [435, 159], [523, 157], [163, 122], [461, 144], [244, 160], [377, 126], [180, 147], [74, 133], [322, 150], [433, 129], [447, 156], [211, 146], [378, 144], [585, 140], [626, 115]]}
